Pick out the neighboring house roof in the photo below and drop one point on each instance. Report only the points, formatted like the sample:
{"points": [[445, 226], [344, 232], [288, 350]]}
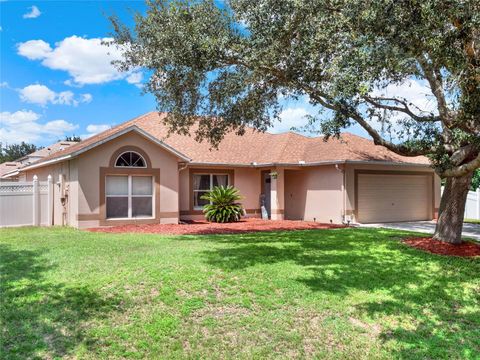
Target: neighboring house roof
{"points": [[253, 148], [48, 150], [9, 166]]}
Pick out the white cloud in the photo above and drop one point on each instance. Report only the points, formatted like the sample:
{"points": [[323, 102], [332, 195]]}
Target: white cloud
{"points": [[87, 61], [94, 129], [42, 95], [3, 84], [86, 98], [23, 125], [290, 117], [18, 117], [65, 98], [37, 94], [34, 49], [34, 13], [135, 78]]}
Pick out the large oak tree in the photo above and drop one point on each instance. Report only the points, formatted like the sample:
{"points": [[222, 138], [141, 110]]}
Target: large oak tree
{"points": [[233, 62]]}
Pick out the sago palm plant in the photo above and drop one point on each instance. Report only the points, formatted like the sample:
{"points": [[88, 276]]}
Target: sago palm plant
{"points": [[223, 206]]}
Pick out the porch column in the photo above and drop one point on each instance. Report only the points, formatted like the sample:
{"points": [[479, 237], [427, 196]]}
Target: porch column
{"points": [[277, 195]]}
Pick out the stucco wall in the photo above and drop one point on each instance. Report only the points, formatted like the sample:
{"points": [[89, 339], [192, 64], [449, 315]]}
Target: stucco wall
{"points": [[89, 165], [350, 182], [314, 194], [246, 180]]}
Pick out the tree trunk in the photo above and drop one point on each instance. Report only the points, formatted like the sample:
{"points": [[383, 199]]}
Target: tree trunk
{"points": [[452, 209]]}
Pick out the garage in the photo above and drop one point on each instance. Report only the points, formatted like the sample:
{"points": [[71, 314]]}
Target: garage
{"points": [[394, 197]]}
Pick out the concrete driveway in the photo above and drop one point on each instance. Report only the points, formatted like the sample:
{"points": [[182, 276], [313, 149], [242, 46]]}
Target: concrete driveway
{"points": [[469, 230]]}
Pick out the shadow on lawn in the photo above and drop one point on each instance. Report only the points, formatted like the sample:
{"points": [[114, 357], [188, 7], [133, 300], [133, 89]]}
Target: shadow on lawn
{"points": [[42, 319], [443, 312]]}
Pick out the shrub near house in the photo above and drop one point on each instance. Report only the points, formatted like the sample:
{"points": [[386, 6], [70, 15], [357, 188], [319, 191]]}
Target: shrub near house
{"points": [[223, 206]]}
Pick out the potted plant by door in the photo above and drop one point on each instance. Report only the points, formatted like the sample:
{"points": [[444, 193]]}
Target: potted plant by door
{"points": [[273, 174]]}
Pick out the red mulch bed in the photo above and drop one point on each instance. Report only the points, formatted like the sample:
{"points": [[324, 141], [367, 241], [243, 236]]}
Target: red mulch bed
{"points": [[206, 228], [465, 249]]}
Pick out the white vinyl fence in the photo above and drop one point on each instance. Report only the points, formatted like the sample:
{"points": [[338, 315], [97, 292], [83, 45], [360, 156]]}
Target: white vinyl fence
{"points": [[26, 203], [472, 206]]}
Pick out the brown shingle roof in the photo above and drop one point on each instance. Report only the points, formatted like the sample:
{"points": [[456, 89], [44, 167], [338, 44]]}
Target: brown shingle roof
{"points": [[254, 146], [8, 166], [51, 149]]}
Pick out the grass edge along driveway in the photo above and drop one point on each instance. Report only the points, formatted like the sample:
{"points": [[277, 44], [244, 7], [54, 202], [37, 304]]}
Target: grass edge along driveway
{"points": [[345, 293]]}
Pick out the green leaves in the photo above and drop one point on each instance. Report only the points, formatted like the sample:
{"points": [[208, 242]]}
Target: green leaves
{"points": [[223, 205]]}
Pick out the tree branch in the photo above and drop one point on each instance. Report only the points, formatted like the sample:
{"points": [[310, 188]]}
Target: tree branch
{"points": [[328, 103], [436, 85], [405, 109], [461, 154], [462, 169], [377, 138]]}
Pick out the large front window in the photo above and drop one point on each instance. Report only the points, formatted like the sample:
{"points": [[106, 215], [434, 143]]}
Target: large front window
{"points": [[202, 184], [129, 196]]}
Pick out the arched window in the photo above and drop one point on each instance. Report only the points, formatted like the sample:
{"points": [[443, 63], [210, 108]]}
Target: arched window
{"points": [[130, 159]]}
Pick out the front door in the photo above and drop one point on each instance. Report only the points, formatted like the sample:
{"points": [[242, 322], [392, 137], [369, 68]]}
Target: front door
{"points": [[266, 191]]}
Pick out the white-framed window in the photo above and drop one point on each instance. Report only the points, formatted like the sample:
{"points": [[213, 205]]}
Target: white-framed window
{"points": [[129, 196], [203, 183], [130, 159]]}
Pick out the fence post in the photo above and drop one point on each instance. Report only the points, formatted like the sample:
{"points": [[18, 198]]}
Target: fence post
{"points": [[49, 201], [478, 203], [36, 202]]}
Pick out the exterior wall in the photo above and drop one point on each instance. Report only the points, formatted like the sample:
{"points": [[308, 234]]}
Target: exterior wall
{"points": [[350, 183], [314, 194], [95, 164], [246, 180]]}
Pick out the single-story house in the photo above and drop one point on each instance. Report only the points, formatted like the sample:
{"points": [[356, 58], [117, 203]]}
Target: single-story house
{"points": [[136, 173]]}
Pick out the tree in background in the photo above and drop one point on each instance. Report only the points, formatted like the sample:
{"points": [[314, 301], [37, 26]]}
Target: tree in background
{"points": [[14, 152], [233, 62], [73, 138], [476, 180]]}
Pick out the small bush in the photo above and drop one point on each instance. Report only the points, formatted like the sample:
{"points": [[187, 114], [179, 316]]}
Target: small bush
{"points": [[223, 205]]}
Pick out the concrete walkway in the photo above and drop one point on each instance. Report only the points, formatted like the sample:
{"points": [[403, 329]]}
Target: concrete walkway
{"points": [[469, 230]]}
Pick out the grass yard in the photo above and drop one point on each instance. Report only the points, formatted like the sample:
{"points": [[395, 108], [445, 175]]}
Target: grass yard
{"points": [[471, 221], [336, 294]]}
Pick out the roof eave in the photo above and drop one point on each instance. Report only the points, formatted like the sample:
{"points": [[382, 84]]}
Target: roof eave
{"points": [[10, 174], [390, 163], [316, 163]]}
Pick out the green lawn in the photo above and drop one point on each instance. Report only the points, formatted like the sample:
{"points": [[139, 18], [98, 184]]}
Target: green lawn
{"points": [[336, 294], [471, 221]]}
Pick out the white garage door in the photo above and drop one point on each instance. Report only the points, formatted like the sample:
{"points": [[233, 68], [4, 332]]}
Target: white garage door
{"points": [[385, 198]]}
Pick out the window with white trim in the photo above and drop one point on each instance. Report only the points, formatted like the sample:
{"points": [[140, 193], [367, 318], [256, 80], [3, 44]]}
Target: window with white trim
{"points": [[203, 183], [129, 196], [130, 159]]}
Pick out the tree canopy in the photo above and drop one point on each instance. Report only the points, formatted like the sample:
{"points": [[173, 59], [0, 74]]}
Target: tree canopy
{"points": [[234, 62], [73, 138]]}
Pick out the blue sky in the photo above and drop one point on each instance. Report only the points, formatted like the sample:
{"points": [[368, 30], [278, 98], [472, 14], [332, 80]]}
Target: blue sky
{"points": [[56, 78], [43, 95]]}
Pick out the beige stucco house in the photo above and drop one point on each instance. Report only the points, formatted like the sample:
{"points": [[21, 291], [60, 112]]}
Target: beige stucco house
{"points": [[135, 173]]}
